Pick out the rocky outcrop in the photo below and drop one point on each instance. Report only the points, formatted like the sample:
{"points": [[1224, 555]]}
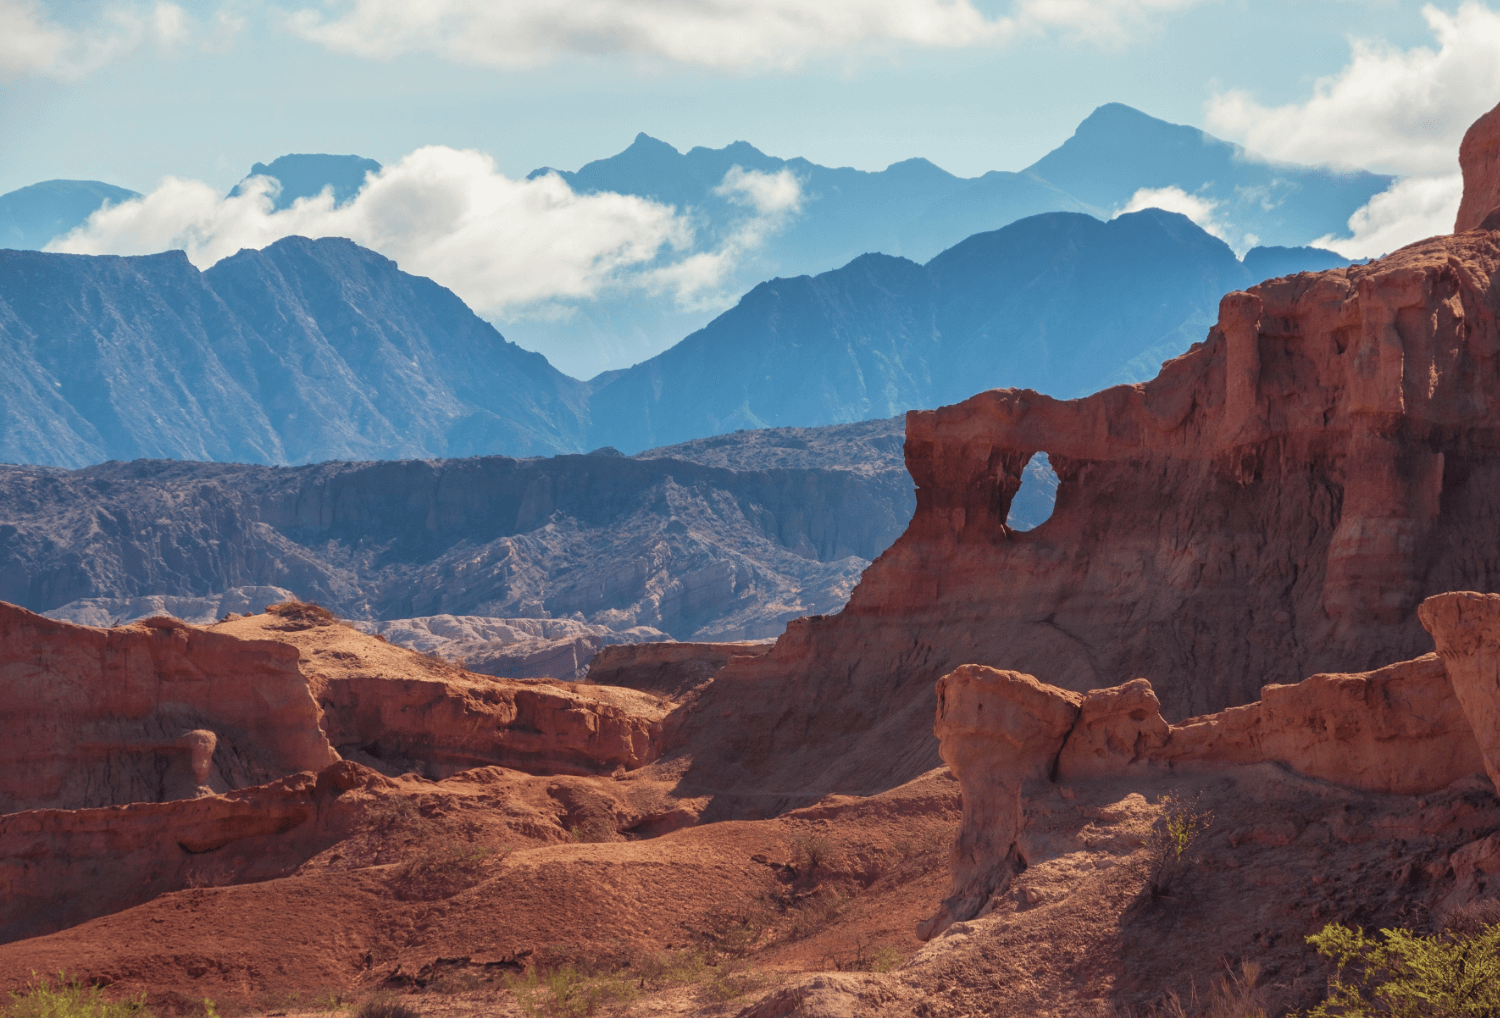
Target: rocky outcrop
{"points": [[998, 729], [398, 711], [145, 713], [1397, 730], [1479, 157], [60, 867], [670, 670], [1274, 504], [1466, 628]]}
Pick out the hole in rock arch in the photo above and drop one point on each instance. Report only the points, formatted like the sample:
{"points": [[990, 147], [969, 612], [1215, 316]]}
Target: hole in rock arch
{"points": [[1033, 503]]}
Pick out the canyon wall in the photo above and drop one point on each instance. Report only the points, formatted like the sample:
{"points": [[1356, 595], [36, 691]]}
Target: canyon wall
{"points": [[145, 713]]}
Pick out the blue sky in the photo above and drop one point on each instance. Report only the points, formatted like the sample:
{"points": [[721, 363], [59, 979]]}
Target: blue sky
{"points": [[228, 84]]}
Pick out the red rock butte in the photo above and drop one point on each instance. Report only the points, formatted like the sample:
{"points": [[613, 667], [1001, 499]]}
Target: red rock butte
{"points": [[1275, 503]]}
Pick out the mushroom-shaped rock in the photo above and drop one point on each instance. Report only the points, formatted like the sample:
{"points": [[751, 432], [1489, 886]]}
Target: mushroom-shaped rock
{"points": [[1479, 157], [996, 729], [1466, 628]]}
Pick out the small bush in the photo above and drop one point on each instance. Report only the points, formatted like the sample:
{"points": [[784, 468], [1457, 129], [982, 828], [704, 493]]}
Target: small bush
{"points": [[301, 615], [386, 1007], [593, 831], [731, 980], [863, 959], [70, 998], [569, 992], [1178, 825], [1450, 975], [810, 852], [1234, 995]]}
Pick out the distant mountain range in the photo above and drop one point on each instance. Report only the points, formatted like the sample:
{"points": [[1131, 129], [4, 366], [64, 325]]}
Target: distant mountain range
{"points": [[306, 350], [322, 350], [911, 209], [1061, 303]]}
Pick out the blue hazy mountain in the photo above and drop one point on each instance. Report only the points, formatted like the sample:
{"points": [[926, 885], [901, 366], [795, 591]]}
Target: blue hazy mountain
{"points": [[306, 350], [31, 216], [319, 350], [1061, 302], [1118, 150], [915, 210], [1270, 262], [303, 176]]}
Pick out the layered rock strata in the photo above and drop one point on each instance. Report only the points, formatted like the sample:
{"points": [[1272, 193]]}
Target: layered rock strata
{"points": [[398, 711], [145, 713], [62, 867]]}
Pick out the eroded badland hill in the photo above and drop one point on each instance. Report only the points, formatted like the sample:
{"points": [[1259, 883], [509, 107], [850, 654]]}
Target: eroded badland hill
{"points": [[1254, 602]]}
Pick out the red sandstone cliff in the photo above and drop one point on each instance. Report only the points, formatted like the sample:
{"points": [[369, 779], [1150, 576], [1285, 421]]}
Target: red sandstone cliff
{"points": [[1274, 504]]}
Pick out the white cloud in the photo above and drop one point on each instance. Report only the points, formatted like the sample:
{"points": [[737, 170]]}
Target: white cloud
{"points": [[1394, 110], [734, 34], [773, 199], [1174, 199], [1412, 209], [500, 244], [1401, 111], [1200, 209], [33, 44]]}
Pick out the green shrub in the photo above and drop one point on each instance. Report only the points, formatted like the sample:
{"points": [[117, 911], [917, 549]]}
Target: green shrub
{"points": [[70, 998], [1178, 825], [1453, 974], [386, 1007], [569, 992]]}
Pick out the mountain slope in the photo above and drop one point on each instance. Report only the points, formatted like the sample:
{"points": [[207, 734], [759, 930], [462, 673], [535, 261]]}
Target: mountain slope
{"points": [[915, 210], [695, 549], [30, 216], [304, 350], [1118, 150], [303, 176], [1058, 302]]}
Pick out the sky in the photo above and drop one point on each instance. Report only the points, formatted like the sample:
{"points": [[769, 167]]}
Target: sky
{"points": [[459, 99], [131, 92]]}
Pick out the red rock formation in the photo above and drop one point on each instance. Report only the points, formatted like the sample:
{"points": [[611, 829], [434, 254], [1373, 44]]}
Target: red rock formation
{"points": [[666, 669], [1274, 504], [395, 710], [145, 713], [998, 729], [1479, 156], [1396, 730], [62, 867], [1466, 627]]}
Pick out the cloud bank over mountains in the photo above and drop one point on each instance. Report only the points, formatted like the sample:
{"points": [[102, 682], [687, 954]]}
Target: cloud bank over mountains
{"points": [[739, 35], [500, 244], [1395, 110]]}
